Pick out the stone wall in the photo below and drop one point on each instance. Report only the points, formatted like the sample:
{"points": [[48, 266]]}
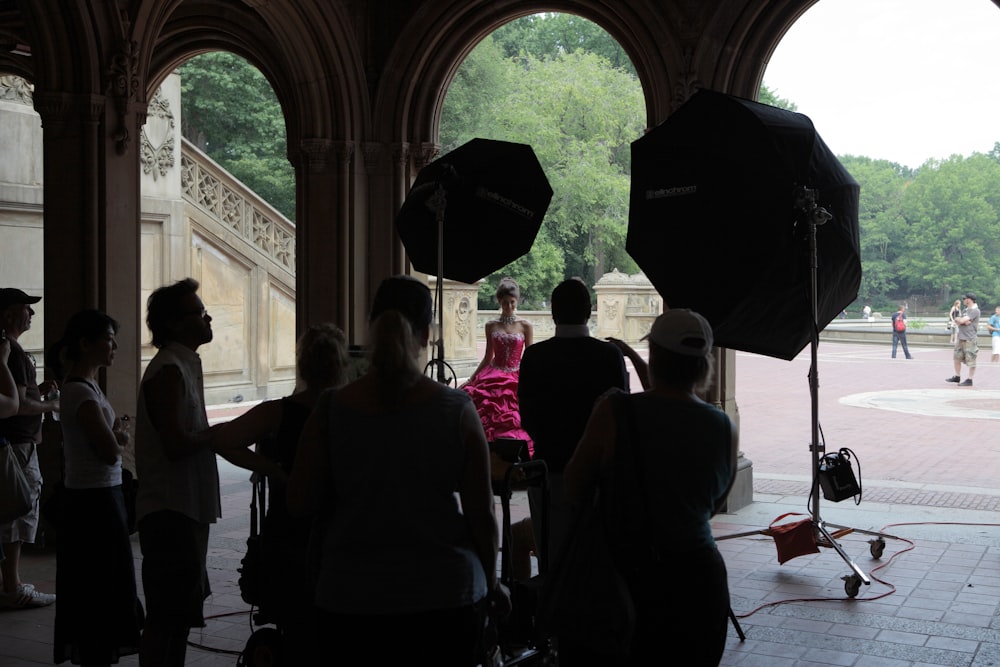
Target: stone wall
{"points": [[197, 220]]}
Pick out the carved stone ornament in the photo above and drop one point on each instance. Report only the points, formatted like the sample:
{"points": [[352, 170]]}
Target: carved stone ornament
{"points": [[123, 84], [156, 143], [15, 89], [316, 152]]}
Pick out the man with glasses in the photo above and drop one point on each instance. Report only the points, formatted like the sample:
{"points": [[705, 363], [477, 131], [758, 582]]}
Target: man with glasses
{"points": [[22, 432], [178, 475]]}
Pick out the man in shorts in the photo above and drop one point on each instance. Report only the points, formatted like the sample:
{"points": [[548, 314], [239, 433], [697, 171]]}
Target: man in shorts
{"points": [[22, 433], [967, 342]]}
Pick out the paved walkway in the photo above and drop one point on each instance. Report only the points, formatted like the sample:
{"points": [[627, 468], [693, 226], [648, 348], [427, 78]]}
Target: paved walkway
{"points": [[929, 474]]}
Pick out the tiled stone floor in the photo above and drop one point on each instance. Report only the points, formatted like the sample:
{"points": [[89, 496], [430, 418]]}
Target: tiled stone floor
{"points": [[930, 484]]}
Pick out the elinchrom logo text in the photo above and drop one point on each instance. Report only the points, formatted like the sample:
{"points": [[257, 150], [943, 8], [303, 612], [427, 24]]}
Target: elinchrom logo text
{"points": [[671, 192], [498, 198]]}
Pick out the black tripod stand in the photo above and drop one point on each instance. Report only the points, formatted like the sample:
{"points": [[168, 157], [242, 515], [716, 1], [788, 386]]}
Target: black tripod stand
{"points": [[437, 366], [814, 216]]}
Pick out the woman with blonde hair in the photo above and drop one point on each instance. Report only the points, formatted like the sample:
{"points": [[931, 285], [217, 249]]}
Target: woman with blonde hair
{"points": [[276, 426]]}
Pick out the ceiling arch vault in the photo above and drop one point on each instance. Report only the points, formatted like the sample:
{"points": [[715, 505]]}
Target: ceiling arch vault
{"points": [[361, 85]]}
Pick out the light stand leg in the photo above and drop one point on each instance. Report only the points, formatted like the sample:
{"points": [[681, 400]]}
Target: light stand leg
{"points": [[815, 217], [438, 203]]}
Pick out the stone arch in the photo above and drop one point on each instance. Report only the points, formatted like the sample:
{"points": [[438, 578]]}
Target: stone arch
{"points": [[410, 102], [318, 81]]}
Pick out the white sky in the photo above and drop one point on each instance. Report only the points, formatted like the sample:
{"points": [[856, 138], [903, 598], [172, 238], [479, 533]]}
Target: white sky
{"points": [[901, 80]]}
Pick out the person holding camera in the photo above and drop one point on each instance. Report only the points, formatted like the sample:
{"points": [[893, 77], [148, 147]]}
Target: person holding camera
{"points": [[967, 343]]}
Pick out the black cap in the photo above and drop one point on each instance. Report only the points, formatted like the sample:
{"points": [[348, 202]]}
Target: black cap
{"points": [[970, 295], [11, 295]]}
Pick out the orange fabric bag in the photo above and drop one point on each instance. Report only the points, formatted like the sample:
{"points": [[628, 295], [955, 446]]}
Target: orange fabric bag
{"points": [[793, 538]]}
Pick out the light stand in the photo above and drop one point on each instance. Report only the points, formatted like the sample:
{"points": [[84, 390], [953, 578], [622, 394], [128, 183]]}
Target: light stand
{"points": [[438, 202], [814, 216]]}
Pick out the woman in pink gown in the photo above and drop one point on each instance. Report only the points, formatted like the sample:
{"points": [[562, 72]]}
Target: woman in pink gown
{"points": [[493, 385]]}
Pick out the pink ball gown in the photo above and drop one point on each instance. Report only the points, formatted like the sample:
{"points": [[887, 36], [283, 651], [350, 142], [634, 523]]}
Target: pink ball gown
{"points": [[494, 390]]}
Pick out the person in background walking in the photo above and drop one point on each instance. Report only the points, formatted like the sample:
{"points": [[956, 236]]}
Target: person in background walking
{"points": [[967, 345], [899, 331], [994, 327]]}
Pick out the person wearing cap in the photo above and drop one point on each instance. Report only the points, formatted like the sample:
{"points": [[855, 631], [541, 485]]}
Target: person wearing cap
{"points": [[23, 433], [967, 341], [671, 458], [379, 463]]}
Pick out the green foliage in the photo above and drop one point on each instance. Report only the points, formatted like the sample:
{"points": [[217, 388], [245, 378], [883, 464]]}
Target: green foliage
{"points": [[952, 223], [549, 35], [768, 96], [563, 85], [580, 116], [229, 111]]}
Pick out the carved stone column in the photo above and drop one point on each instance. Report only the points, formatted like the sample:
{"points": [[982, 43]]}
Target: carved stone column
{"points": [[317, 238], [626, 306], [461, 329], [723, 395], [91, 222]]}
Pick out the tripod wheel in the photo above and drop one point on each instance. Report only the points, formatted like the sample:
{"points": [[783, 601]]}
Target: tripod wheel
{"points": [[876, 547], [852, 584]]}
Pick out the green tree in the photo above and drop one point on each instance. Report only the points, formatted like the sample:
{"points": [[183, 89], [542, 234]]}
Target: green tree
{"points": [[768, 96], [229, 111], [952, 228], [881, 223], [580, 116], [549, 35]]}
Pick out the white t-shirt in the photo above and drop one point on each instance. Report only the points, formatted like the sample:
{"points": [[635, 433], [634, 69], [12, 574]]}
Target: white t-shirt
{"points": [[84, 469]]}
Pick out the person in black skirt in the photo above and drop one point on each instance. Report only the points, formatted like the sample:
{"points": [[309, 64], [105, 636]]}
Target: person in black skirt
{"points": [[98, 613]]}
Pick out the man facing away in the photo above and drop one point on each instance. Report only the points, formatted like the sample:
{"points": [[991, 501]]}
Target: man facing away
{"points": [[899, 331], [967, 342], [560, 380], [178, 475], [22, 433]]}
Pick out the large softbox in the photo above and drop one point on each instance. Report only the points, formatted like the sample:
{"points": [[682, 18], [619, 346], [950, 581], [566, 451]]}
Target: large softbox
{"points": [[714, 221], [482, 203]]}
